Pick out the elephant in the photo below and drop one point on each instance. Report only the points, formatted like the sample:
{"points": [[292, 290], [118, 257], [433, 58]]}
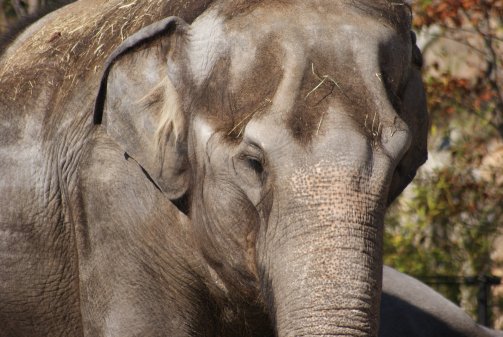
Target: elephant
{"points": [[222, 172], [411, 308]]}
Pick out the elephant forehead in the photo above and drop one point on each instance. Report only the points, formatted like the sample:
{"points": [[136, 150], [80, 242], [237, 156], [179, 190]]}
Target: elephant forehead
{"points": [[294, 63], [293, 39], [294, 30]]}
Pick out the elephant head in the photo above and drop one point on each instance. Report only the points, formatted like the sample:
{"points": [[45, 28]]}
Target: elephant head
{"points": [[282, 129]]}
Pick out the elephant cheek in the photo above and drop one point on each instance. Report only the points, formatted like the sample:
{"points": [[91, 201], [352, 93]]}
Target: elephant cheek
{"points": [[227, 229], [324, 270]]}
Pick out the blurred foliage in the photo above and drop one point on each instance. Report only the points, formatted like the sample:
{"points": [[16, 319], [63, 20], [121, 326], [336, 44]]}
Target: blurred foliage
{"points": [[13, 10], [446, 221], [452, 13]]}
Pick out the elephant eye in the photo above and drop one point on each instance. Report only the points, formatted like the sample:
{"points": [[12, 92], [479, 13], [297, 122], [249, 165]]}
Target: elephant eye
{"points": [[255, 164], [249, 164], [251, 170]]}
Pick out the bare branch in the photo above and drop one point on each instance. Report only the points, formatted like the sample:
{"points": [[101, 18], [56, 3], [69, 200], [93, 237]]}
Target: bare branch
{"points": [[33, 6], [462, 42], [470, 31], [491, 66], [18, 8]]}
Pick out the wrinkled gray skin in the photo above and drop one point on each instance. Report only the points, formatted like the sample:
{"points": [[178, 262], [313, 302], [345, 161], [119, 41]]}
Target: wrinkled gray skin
{"points": [[410, 308], [235, 181]]}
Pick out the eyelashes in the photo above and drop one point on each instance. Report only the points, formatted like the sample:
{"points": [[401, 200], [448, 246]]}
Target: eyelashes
{"points": [[255, 164]]}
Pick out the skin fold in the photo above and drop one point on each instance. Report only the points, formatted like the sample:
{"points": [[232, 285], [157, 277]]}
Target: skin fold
{"points": [[221, 172]]}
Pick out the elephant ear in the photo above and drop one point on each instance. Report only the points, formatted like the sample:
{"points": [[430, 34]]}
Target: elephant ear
{"points": [[415, 113], [140, 108]]}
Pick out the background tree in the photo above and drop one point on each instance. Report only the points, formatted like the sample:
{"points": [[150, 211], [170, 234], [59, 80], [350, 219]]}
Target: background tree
{"points": [[13, 10], [447, 222]]}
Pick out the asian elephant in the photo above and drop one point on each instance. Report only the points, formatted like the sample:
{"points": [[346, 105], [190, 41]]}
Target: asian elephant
{"points": [[227, 177], [410, 308]]}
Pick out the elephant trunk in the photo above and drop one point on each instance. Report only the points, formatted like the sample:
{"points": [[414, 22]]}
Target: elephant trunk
{"points": [[325, 274]]}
